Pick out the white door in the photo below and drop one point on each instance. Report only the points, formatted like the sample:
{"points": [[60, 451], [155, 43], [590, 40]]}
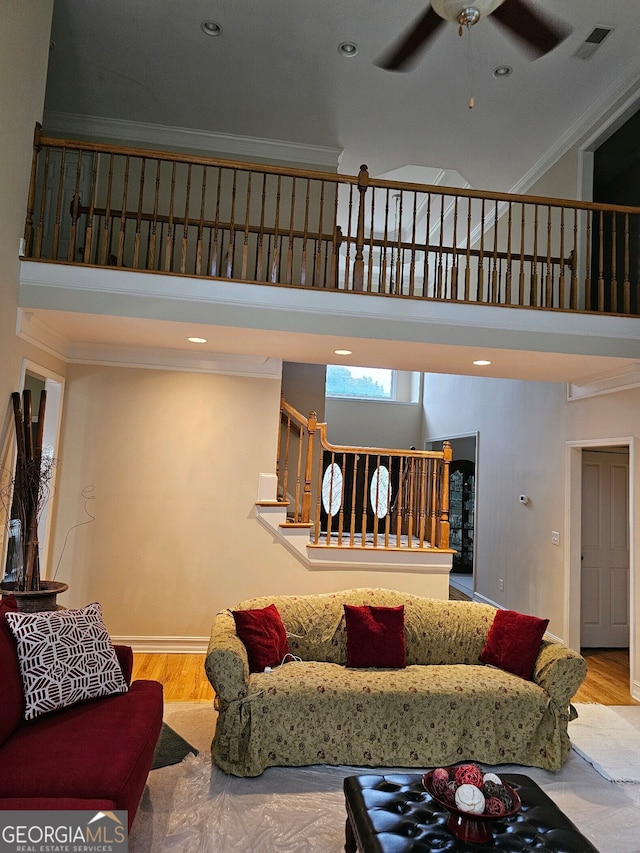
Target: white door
{"points": [[605, 550]]}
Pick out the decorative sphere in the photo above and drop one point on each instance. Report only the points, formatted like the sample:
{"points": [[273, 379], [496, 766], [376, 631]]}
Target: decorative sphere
{"points": [[494, 806], [491, 777], [469, 774], [470, 799]]}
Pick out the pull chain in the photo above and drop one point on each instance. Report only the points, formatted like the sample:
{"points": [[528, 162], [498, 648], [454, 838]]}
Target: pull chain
{"points": [[471, 104]]}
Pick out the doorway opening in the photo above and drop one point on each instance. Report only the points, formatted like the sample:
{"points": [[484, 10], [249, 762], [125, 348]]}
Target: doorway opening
{"points": [[462, 507], [602, 542]]}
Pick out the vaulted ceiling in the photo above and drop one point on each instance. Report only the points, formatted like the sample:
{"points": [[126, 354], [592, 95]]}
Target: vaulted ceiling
{"points": [[275, 82], [275, 73]]}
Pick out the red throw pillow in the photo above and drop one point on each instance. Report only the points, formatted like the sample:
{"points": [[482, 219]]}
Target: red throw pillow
{"points": [[11, 694], [375, 636], [513, 642], [264, 636]]}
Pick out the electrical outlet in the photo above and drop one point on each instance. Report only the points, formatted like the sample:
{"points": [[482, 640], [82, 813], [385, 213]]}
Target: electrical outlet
{"points": [[501, 585], [555, 537]]}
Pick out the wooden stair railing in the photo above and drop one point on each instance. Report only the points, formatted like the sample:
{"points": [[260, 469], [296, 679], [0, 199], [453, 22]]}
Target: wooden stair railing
{"points": [[96, 204], [361, 497]]}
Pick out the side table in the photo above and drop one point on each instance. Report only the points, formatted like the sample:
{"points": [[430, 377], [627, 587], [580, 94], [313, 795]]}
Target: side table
{"points": [[394, 814]]}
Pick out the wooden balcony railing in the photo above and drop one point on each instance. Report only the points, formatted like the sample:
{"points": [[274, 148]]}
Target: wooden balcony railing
{"points": [[362, 497], [187, 215]]}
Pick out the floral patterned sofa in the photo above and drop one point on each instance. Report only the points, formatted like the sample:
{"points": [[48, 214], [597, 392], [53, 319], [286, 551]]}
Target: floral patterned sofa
{"points": [[445, 706]]}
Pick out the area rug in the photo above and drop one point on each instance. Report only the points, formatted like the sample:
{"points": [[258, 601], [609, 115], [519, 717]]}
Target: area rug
{"points": [[192, 807], [607, 741], [171, 748]]}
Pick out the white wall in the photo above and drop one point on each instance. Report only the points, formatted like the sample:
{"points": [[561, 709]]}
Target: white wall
{"points": [[373, 423], [25, 26], [523, 431], [173, 460]]}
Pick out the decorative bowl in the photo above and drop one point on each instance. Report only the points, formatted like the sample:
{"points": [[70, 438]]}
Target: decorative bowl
{"points": [[468, 827]]}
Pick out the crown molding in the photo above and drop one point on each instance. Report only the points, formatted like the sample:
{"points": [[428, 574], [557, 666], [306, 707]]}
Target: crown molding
{"points": [[180, 138], [32, 329], [624, 84], [621, 379]]}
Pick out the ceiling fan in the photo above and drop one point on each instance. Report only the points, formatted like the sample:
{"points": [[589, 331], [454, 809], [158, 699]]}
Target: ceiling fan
{"points": [[538, 32]]}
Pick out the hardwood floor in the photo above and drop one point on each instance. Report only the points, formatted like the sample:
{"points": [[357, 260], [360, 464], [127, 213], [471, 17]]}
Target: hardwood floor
{"points": [[607, 680], [184, 679], [182, 676]]}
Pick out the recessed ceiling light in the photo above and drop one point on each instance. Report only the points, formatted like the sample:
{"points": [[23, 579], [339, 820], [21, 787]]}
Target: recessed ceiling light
{"points": [[348, 48], [197, 340], [211, 28], [502, 71], [343, 352], [482, 362]]}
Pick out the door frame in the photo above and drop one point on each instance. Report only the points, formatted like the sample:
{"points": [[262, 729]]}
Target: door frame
{"points": [[54, 386], [573, 537]]}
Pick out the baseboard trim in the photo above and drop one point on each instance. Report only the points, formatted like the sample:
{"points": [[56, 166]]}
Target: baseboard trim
{"points": [[165, 645]]}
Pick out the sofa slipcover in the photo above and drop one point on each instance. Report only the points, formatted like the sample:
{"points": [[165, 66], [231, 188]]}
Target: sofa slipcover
{"points": [[443, 707]]}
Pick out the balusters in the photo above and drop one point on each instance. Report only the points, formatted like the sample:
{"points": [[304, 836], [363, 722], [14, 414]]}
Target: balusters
{"points": [[245, 242], [75, 208], [507, 291], [467, 254], [259, 254], [123, 214], [106, 225], [480, 284], [232, 231], [275, 259], [412, 265], [88, 234], [216, 249], [372, 213], [561, 299], [56, 227], [168, 247], [358, 266], [495, 279], [185, 223], [626, 284], [136, 240], [305, 234], [613, 306], [601, 261], [200, 237]]}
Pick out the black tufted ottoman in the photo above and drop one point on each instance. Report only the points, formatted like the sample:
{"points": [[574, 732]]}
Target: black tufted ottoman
{"points": [[394, 814]]}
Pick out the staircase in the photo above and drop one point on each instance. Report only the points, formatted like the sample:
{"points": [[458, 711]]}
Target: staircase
{"points": [[342, 507]]}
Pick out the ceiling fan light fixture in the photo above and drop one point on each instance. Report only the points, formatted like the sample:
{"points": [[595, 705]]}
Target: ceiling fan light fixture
{"points": [[469, 16], [464, 13]]}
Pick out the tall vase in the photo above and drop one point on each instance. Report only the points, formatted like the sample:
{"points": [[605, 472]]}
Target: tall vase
{"points": [[35, 601]]}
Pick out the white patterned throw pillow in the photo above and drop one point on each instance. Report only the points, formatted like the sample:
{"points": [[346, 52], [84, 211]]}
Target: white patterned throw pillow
{"points": [[65, 656]]}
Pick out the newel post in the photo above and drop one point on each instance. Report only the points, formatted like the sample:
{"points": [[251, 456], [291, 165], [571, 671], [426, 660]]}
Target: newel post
{"points": [[358, 266], [444, 508], [312, 423]]}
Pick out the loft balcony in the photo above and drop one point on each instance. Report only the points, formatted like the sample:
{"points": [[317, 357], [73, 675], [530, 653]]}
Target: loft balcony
{"points": [[153, 211], [266, 257]]}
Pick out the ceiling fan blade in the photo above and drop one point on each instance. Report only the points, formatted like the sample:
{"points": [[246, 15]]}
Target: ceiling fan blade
{"points": [[403, 55], [539, 33]]}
